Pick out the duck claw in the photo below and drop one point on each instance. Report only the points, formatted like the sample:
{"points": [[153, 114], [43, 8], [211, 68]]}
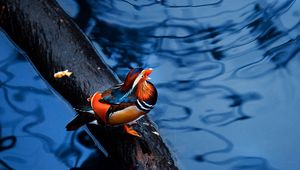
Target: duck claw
{"points": [[131, 131]]}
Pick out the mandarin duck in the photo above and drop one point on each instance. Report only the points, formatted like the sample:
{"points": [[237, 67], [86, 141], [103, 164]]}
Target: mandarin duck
{"points": [[120, 105]]}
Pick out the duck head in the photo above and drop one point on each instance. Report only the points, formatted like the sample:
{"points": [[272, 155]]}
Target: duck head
{"points": [[136, 77]]}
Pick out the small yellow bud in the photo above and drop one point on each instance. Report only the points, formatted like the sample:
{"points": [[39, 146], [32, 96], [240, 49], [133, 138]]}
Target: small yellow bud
{"points": [[61, 74]]}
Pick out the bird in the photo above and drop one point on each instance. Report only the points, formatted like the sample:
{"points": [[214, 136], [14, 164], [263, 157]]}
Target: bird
{"points": [[120, 105]]}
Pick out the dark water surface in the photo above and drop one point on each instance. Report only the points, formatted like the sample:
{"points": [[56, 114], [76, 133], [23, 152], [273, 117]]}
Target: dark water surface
{"points": [[227, 72]]}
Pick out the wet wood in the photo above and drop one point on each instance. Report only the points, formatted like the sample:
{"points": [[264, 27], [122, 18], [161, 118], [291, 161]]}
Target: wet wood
{"points": [[54, 43]]}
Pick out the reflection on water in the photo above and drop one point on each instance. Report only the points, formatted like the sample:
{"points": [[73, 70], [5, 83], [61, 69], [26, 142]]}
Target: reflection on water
{"points": [[226, 72], [32, 134]]}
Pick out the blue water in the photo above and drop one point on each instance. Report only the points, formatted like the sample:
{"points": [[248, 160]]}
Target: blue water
{"points": [[227, 73]]}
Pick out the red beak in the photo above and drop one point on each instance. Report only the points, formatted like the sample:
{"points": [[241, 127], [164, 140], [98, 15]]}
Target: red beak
{"points": [[148, 72]]}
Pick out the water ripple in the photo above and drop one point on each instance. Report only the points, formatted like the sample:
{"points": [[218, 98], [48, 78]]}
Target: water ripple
{"points": [[221, 69]]}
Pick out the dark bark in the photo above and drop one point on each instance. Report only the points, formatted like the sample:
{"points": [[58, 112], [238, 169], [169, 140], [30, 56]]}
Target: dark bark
{"points": [[54, 43]]}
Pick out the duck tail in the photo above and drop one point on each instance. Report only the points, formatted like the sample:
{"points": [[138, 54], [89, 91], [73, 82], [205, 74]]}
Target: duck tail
{"points": [[83, 117]]}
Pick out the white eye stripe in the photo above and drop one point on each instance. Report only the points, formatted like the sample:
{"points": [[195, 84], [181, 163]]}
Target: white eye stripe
{"points": [[146, 104], [142, 107]]}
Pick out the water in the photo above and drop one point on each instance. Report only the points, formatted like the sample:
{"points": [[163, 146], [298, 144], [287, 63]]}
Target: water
{"points": [[227, 74]]}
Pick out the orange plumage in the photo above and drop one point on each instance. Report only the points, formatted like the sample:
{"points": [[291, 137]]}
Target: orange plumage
{"points": [[99, 108]]}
